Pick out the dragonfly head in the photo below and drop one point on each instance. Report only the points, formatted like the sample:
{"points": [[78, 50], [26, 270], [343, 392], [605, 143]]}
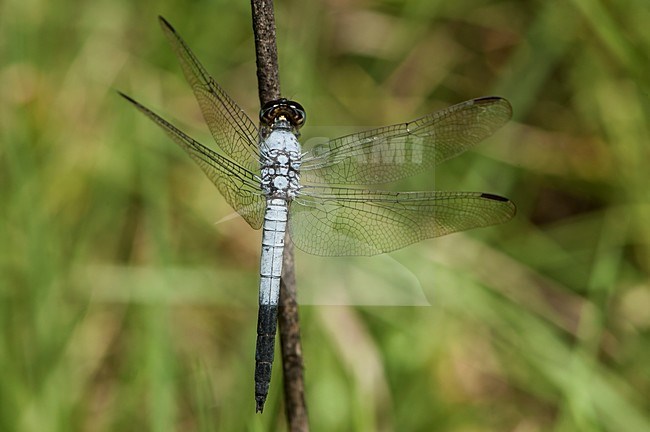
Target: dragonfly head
{"points": [[279, 111]]}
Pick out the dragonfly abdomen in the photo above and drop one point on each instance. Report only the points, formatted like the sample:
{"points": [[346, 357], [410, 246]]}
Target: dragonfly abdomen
{"points": [[275, 224]]}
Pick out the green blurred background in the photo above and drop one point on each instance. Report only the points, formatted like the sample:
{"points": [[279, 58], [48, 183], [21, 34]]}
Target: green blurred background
{"points": [[126, 307]]}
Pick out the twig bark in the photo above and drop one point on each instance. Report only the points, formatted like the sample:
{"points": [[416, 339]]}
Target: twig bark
{"points": [[291, 348], [266, 50]]}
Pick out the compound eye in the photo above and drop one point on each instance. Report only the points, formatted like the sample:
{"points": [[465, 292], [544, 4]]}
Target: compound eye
{"points": [[282, 108], [299, 115], [269, 111]]}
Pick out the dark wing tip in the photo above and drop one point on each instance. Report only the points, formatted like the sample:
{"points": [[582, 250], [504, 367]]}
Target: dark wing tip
{"points": [[494, 100], [488, 99], [126, 97], [165, 25], [494, 197], [137, 104], [163, 21], [512, 207]]}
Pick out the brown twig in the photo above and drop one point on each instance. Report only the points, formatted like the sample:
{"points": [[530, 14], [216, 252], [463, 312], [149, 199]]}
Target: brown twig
{"points": [[292, 364], [266, 51]]}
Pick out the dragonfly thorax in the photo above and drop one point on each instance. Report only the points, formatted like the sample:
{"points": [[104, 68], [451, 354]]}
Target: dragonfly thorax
{"points": [[280, 164]]}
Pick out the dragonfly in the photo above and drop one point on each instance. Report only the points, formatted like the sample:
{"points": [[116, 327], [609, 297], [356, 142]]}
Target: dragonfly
{"points": [[267, 178]]}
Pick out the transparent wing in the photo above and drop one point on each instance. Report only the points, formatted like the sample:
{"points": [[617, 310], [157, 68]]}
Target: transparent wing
{"points": [[393, 152], [240, 187], [345, 222], [234, 132]]}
